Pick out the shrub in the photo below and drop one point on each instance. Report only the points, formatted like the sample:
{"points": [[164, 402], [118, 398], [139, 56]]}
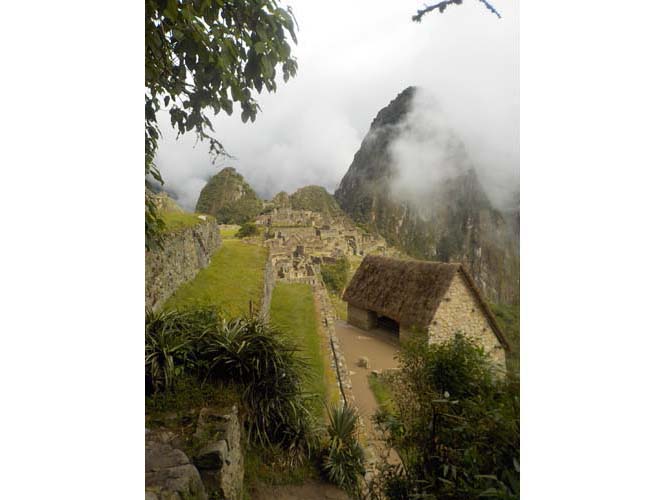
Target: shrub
{"points": [[335, 275], [343, 461], [456, 427], [170, 337], [261, 359], [247, 229], [244, 353]]}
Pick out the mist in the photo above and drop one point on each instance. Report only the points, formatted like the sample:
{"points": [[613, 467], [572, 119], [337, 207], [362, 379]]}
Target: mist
{"points": [[353, 60], [428, 151]]}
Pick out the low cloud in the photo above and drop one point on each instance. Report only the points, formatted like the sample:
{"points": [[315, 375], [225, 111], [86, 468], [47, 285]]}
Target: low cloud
{"points": [[428, 151], [353, 60]]}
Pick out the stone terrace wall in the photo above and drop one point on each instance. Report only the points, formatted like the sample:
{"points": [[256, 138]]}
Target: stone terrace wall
{"points": [[184, 253]]}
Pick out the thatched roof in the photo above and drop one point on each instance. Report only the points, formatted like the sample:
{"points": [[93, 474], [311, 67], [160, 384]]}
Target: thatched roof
{"points": [[409, 291]]}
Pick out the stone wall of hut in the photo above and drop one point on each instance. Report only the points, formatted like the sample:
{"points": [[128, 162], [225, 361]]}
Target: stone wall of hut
{"points": [[361, 318], [459, 312]]}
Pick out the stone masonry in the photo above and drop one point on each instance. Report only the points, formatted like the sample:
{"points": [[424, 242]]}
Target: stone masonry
{"points": [[460, 312], [184, 253]]}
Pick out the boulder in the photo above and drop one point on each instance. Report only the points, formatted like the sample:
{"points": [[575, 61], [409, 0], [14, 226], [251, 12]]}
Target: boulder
{"points": [[213, 456], [169, 473]]}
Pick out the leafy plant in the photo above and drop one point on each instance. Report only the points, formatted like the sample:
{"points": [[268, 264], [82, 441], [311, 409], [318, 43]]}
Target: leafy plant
{"points": [[202, 56], [335, 275], [247, 229], [343, 461], [170, 343], [261, 359], [456, 427]]}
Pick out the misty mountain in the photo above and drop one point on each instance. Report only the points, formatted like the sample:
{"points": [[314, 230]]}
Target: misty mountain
{"points": [[229, 198], [413, 182]]}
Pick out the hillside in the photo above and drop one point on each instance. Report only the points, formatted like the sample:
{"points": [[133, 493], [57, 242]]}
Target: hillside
{"points": [[315, 199], [450, 219], [229, 198]]}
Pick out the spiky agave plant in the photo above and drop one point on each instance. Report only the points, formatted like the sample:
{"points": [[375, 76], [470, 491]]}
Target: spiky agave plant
{"points": [[344, 459], [265, 363], [170, 341]]}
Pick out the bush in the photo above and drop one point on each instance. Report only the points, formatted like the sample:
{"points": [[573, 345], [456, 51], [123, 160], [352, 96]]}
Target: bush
{"points": [[169, 344], [456, 427], [244, 353], [265, 363], [335, 275], [247, 229], [343, 460]]}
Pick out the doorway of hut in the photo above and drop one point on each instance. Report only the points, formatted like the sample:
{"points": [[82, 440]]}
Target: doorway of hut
{"points": [[388, 325]]}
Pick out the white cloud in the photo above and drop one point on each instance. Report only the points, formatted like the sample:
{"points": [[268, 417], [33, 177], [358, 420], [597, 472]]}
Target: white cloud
{"points": [[354, 57]]}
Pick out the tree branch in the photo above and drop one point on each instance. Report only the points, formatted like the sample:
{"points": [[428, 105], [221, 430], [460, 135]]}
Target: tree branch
{"points": [[441, 6]]}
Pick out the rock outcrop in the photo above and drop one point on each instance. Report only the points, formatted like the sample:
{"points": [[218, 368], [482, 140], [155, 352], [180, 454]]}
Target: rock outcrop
{"points": [[169, 473], [452, 220]]}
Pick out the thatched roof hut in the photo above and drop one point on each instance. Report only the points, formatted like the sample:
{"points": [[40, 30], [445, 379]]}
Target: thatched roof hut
{"points": [[410, 291]]}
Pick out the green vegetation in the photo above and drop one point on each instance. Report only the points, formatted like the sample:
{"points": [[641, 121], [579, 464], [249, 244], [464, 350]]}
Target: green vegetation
{"points": [[247, 229], [247, 354], [340, 306], [456, 426], [382, 392], [293, 312], [508, 319], [281, 200], [343, 460], [201, 57], [316, 199], [335, 276], [234, 277], [229, 232], [267, 364], [229, 198], [173, 221], [268, 466]]}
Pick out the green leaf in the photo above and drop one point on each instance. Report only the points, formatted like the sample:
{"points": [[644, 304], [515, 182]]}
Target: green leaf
{"points": [[171, 11]]}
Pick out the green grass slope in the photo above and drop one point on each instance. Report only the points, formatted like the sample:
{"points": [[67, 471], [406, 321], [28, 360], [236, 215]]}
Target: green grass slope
{"points": [[234, 277], [293, 311]]}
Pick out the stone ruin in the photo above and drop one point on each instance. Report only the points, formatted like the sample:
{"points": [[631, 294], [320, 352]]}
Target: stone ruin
{"points": [[299, 241]]}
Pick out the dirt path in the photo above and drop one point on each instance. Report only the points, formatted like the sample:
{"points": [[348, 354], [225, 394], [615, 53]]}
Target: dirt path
{"points": [[380, 347], [310, 490]]}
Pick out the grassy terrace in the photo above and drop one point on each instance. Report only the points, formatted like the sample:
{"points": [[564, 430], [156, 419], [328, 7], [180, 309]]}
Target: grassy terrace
{"points": [[293, 311], [174, 221], [229, 232], [234, 277]]}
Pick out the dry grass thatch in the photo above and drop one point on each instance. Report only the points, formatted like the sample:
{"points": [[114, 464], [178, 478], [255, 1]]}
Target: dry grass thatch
{"points": [[408, 291]]}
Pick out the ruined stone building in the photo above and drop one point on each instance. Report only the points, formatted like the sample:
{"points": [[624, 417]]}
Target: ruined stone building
{"points": [[299, 241], [440, 298]]}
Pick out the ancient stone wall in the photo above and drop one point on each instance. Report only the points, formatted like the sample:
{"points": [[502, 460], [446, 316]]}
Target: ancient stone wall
{"points": [[361, 318], [460, 312], [184, 253]]}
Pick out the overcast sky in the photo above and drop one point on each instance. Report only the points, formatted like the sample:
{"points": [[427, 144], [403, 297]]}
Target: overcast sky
{"points": [[354, 57]]}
